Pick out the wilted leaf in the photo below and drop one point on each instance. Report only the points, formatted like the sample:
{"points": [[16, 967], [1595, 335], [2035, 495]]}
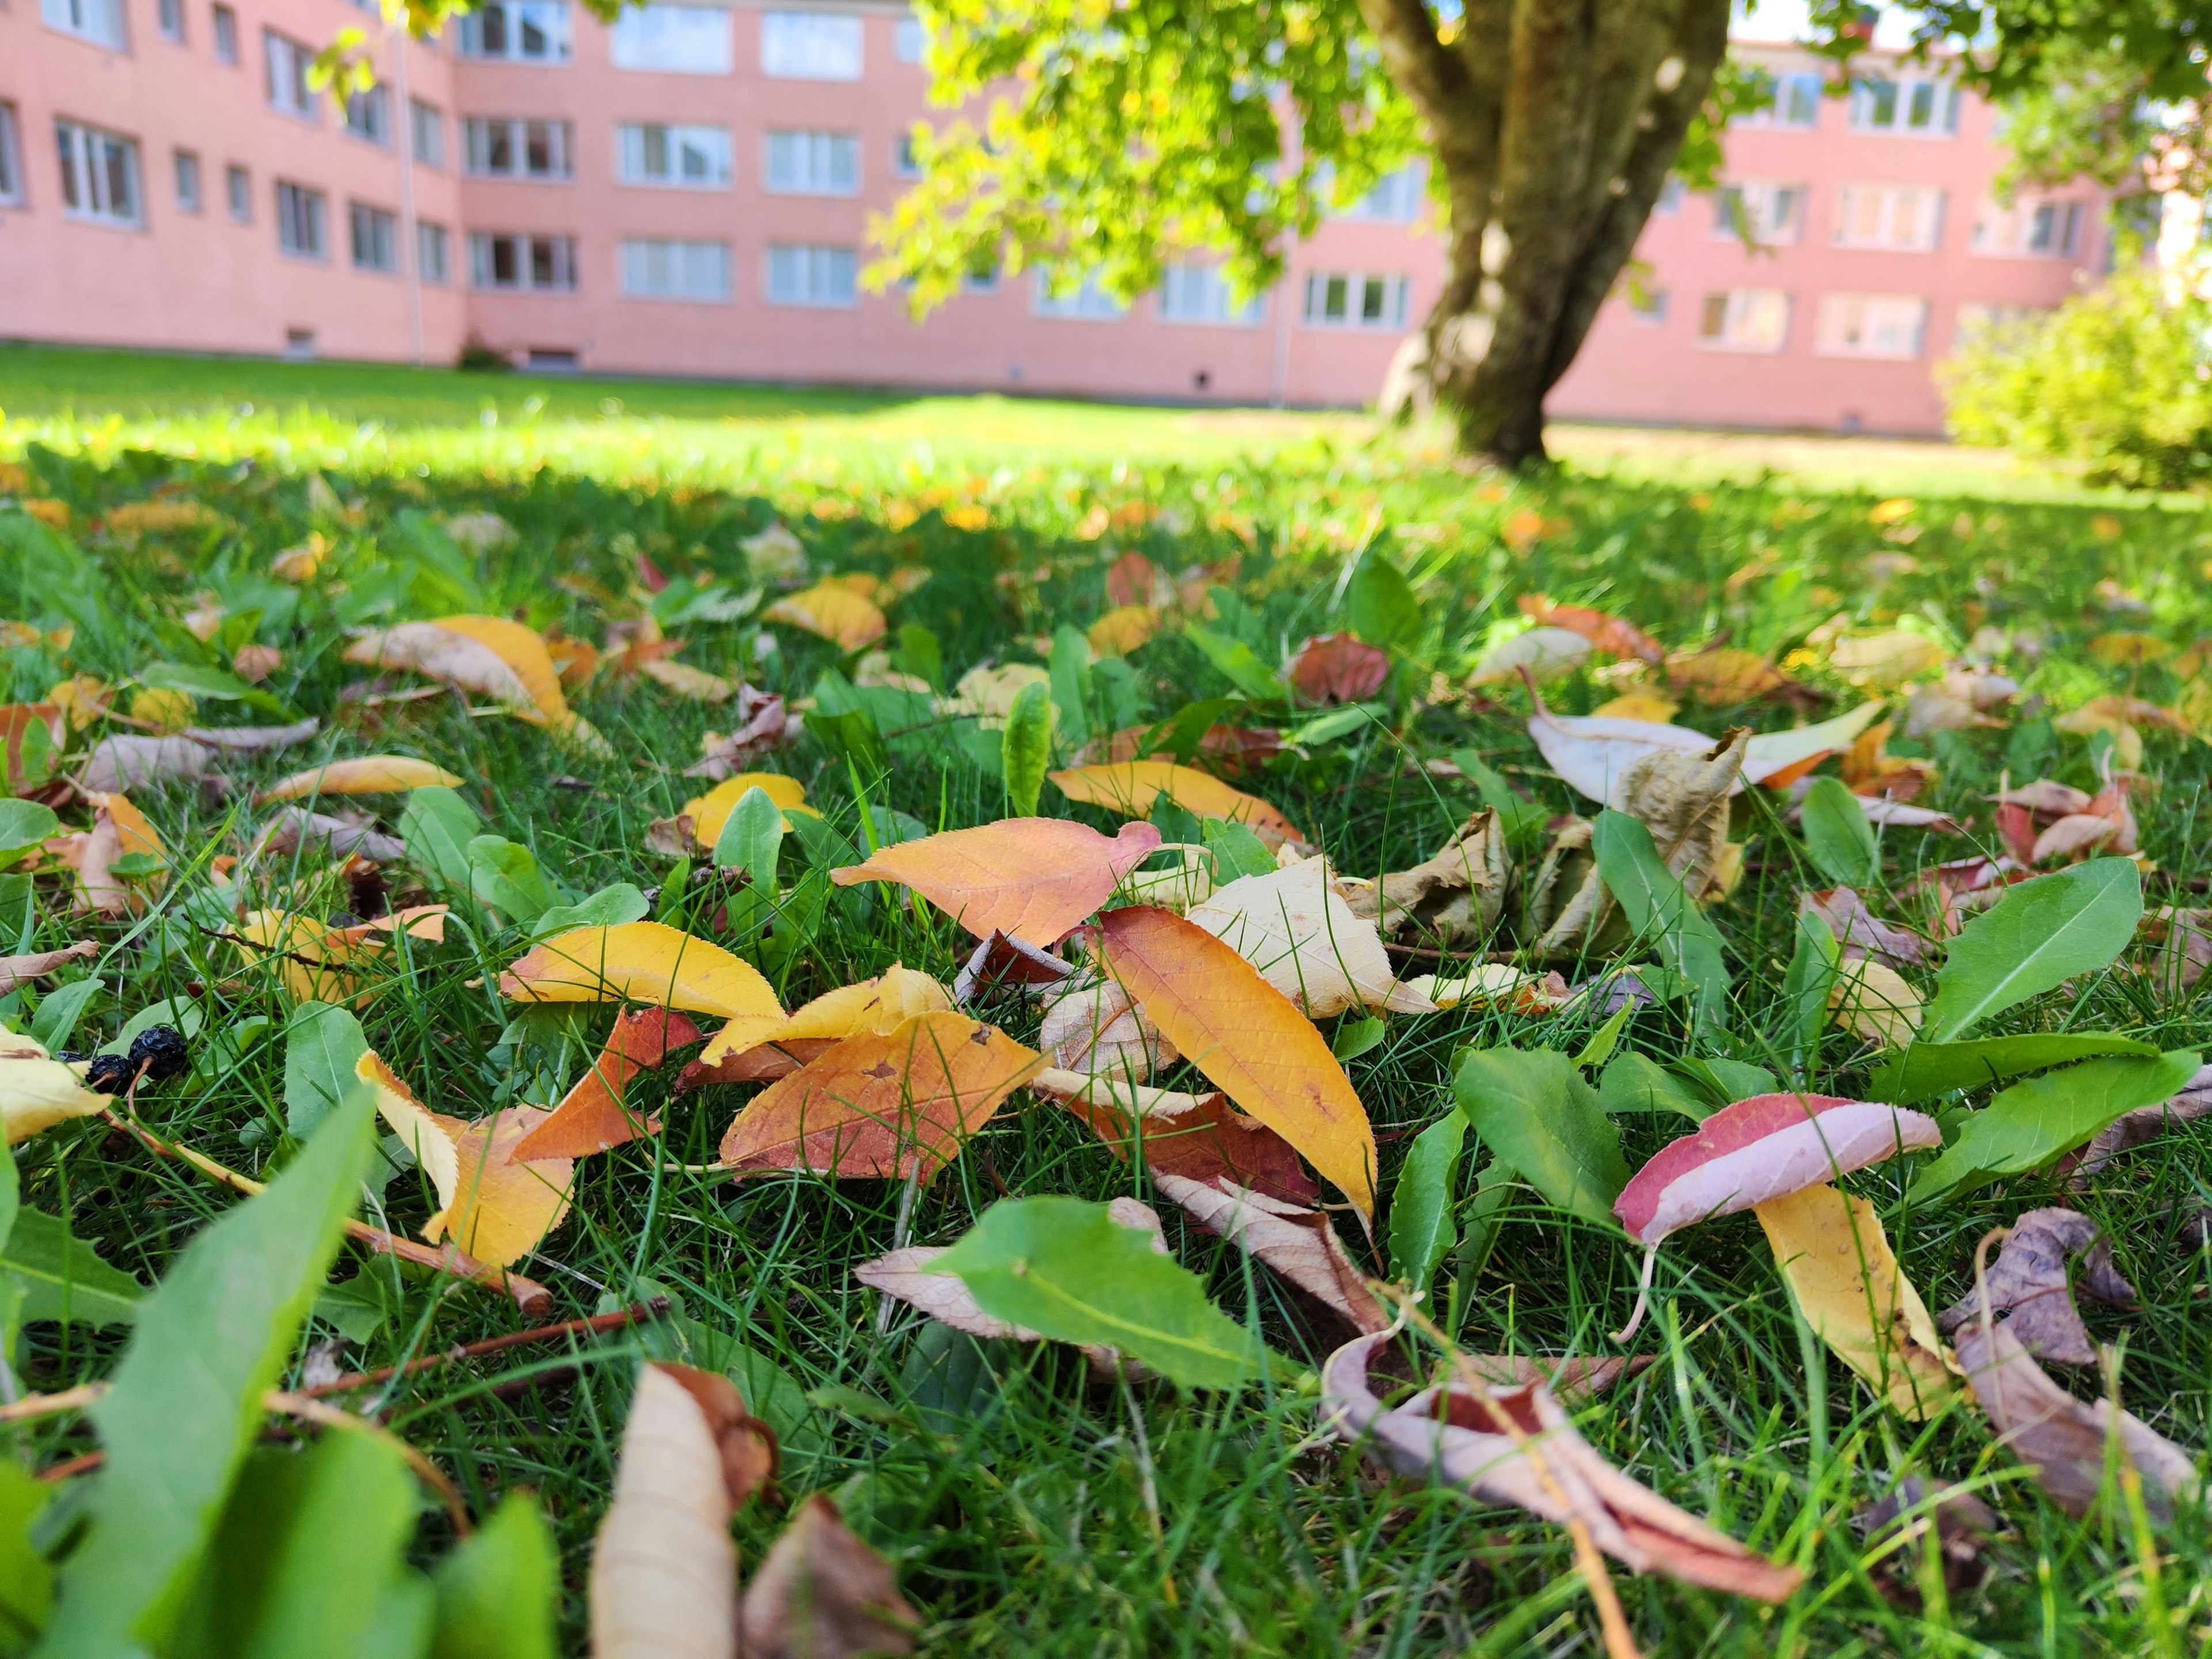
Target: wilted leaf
{"points": [[2040, 934], [493, 656], [1092, 1026], [140, 763], [1534, 1109], [36, 964], [316, 963], [1294, 926], [846, 619], [1886, 659], [1297, 1243], [1454, 898], [1874, 1002], [1775, 759], [1131, 788], [371, 775], [2030, 1282], [1337, 668], [1543, 654], [875, 1006], [1726, 674], [1859, 933], [1034, 879], [295, 827], [650, 962], [591, 1117], [823, 1594], [1594, 753]]}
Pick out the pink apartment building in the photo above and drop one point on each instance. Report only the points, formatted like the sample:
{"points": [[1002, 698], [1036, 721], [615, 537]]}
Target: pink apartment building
{"points": [[687, 192]]}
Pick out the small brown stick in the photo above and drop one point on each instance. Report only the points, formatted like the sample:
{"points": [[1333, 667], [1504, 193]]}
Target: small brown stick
{"points": [[636, 1313], [46, 1405], [314, 1411]]}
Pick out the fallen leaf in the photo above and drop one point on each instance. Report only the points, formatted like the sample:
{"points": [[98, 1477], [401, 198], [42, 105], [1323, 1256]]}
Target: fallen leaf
{"points": [[1337, 668], [1830, 1247], [1887, 659], [494, 656], [254, 739], [141, 763], [1613, 635], [1091, 1026], [846, 619], [1777, 759], [2144, 1124], [1593, 754], [999, 960], [371, 775], [1871, 1000], [37, 1091], [1494, 985], [1542, 653], [1297, 1243], [1123, 629], [36, 964], [710, 812], [494, 1208], [823, 1594], [1293, 925], [295, 828], [1198, 1137], [1248, 1038], [1963, 1524], [878, 1006], [1454, 898], [766, 727], [591, 1117], [1860, 932], [1648, 706], [688, 682], [650, 962], [1516, 1445], [1132, 579], [1726, 674], [119, 830], [316, 963], [988, 694], [2029, 1281], [1032, 878], [889, 1105], [1131, 788]]}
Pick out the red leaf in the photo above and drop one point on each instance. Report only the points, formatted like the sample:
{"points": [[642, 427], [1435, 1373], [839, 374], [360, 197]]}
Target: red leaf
{"points": [[1337, 668]]}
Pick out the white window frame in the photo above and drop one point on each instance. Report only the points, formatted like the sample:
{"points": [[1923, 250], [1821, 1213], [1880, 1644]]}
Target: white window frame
{"points": [[185, 167], [222, 28], [1796, 106], [2033, 228], [374, 231], [286, 61], [910, 40], [1871, 327], [637, 141], [1925, 202], [1086, 302], [1775, 207], [662, 38], [810, 276], [1940, 96], [237, 190], [1395, 199], [13, 189], [1396, 294], [368, 116], [302, 209], [89, 178], [1195, 294], [512, 21], [807, 162], [661, 268], [560, 260], [434, 257], [97, 22], [481, 135], [1737, 303], [426, 119], [813, 45]]}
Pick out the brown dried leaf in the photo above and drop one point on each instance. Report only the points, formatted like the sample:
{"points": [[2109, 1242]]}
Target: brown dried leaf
{"points": [[1294, 926], [1296, 1242], [1001, 960], [1860, 932], [1091, 1026], [2144, 1124], [764, 728], [823, 1593], [1613, 635], [36, 964], [144, 762], [664, 1577], [2029, 1282], [1337, 668], [295, 827], [1454, 898]]}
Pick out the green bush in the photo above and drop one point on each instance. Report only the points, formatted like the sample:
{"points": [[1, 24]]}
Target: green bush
{"points": [[2117, 378]]}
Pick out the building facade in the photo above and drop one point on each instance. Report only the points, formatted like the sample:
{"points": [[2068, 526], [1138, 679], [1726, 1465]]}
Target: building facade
{"points": [[687, 191]]}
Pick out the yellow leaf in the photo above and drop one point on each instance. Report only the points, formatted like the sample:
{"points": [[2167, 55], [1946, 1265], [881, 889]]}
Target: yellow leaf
{"points": [[1874, 1001], [1130, 788], [988, 694], [688, 682], [37, 1091], [1637, 705], [878, 1006], [2128, 649], [523, 650], [1889, 512], [1831, 1248], [650, 962], [1248, 1038], [371, 774], [1122, 629], [1725, 673], [710, 812], [165, 711], [1886, 659], [846, 619]]}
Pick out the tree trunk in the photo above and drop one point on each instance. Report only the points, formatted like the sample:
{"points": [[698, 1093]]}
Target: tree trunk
{"points": [[1553, 123]]}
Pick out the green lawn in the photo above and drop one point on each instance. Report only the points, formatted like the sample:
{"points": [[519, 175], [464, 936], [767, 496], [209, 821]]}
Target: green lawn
{"points": [[1029, 1508]]}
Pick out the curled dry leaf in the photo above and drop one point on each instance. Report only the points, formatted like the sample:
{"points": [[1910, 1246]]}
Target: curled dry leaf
{"points": [[823, 1594], [131, 762], [1132, 579], [295, 827], [254, 739], [316, 963], [1001, 961], [1859, 933], [1594, 753], [591, 1117], [1093, 1027], [888, 1104], [1963, 1525], [1297, 1243], [1337, 668], [1032, 878], [1613, 635], [848, 619], [1886, 659], [764, 727], [1762, 1149], [1131, 788], [2030, 1283], [1516, 1445], [1454, 898], [1248, 1038], [36, 964], [371, 775], [1294, 926], [1199, 1138], [493, 1207], [37, 1091], [650, 962], [1496, 985], [493, 656], [119, 830], [686, 681], [2142, 1125]]}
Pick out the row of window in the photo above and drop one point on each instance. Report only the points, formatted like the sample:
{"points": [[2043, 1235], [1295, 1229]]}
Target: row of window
{"points": [[1893, 218], [1887, 327], [1925, 106], [677, 40]]}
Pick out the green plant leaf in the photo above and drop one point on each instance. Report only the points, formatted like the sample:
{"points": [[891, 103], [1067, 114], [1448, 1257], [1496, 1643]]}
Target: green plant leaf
{"points": [[1925, 1070], [1236, 851], [1802, 1013], [60, 1009], [1069, 1270], [25, 825], [1423, 1229], [1603, 1041], [2031, 1123], [1238, 663], [438, 826], [609, 907], [1838, 835], [918, 653], [1380, 605], [1354, 1038], [1071, 685], [136, 867], [186, 1404], [62, 1277], [1635, 1083], [1658, 909], [27, 1581], [1026, 744], [504, 875], [11, 1193], [2040, 934], [752, 839], [322, 1044], [1533, 1107], [498, 1592]]}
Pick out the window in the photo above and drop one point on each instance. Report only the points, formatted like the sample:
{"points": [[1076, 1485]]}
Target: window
{"points": [[1395, 199], [171, 16], [1913, 105], [240, 184], [431, 263], [535, 31], [226, 33], [1883, 325], [1759, 210], [657, 270], [428, 133], [299, 344], [1745, 320], [368, 115], [1796, 102], [551, 360], [99, 21], [375, 238], [807, 276], [11, 160], [687, 158], [188, 181], [1669, 201], [677, 40], [1904, 218], [2030, 228], [981, 281], [806, 45], [299, 221], [1647, 306], [99, 173], [905, 163], [538, 265], [1199, 294], [814, 163], [1087, 303], [1354, 300], [910, 44], [517, 149], [289, 62]]}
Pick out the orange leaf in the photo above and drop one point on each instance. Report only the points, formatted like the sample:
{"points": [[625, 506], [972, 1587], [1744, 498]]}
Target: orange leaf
{"points": [[1611, 635], [878, 1006], [883, 1105], [370, 776], [1337, 668], [1130, 788], [590, 1117], [649, 962], [1031, 877], [1248, 1038], [835, 611]]}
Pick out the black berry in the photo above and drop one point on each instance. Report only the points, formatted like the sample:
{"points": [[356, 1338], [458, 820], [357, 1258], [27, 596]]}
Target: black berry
{"points": [[160, 1050], [109, 1074]]}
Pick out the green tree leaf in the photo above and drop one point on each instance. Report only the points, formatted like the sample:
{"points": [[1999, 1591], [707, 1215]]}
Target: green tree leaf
{"points": [[1069, 1270], [322, 1044], [1071, 685], [25, 825], [438, 826], [1635, 1083], [186, 1404], [1238, 663], [504, 875], [1838, 837], [1026, 744], [2031, 1123], [498, 1592], [60, 1009], [1928, 1069], [752, 839], [1532, 1106], [62, 1277], [1236, 851], [2040, 934], [1381, 604], [1422, 1203], [1658, 909]]}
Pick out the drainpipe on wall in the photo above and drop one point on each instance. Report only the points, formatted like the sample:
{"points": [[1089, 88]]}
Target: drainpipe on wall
{"points": [[410, 237]]}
